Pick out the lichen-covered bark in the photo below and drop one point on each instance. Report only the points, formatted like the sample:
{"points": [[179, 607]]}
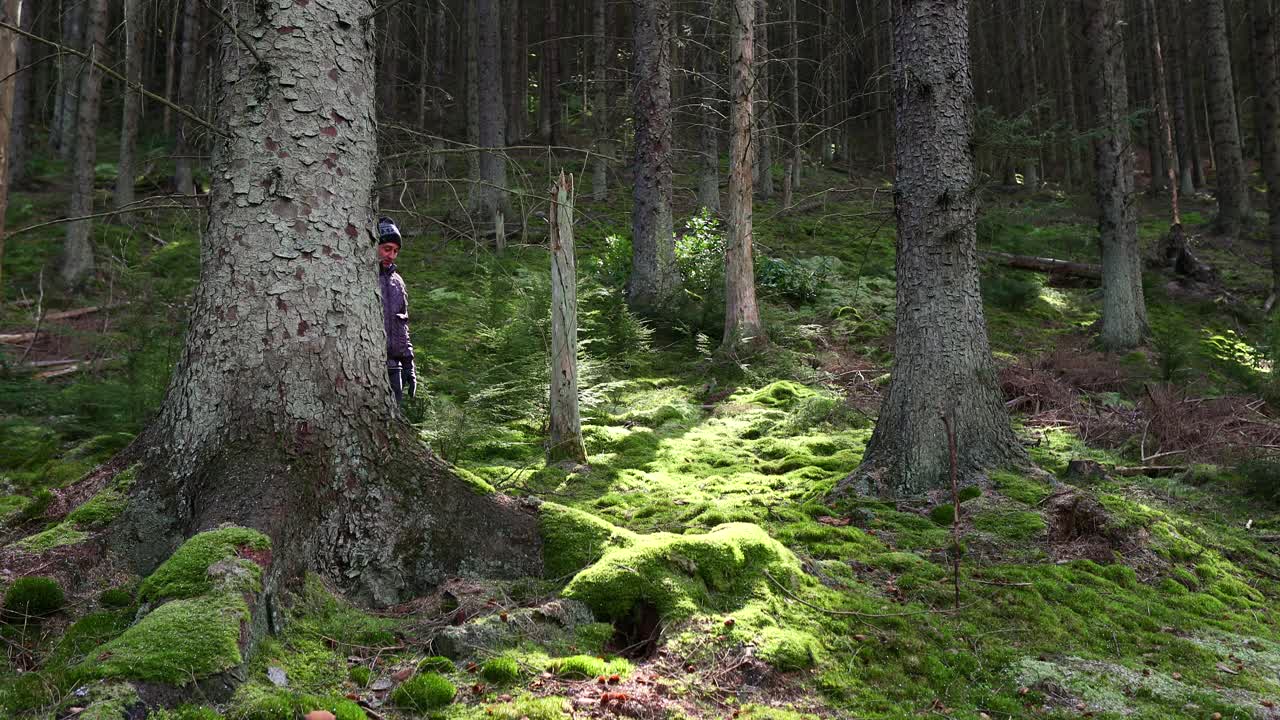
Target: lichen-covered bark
{"points": [[742, 324], [279, 416], [1124, 316], [654, 278], [1233, 192], [942, 360]]}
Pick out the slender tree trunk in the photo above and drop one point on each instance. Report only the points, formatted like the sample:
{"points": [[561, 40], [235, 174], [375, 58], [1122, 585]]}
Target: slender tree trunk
{"points": [[565, 442], [77, 253], [62, 134], [942, 360], [1026, 91], [600, 110], [423, 16], [440, 52], [173, 33], [307, 445], [793, 93], [183, 175], [1162, 116], [764, 123], [1233, 192], [1074, 168], [11, 12], [491, 202], [549, 105], [517, 85], [1123, 310], [708, 100], [472, 39], [1266, 47], [126, 170], [20, 126], [1181, 118], [742, 326], [654, 277]]}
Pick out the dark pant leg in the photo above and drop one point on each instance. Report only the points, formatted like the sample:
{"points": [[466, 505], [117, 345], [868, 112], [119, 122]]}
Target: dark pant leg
{"points": [[408, 379], [393, 374]]}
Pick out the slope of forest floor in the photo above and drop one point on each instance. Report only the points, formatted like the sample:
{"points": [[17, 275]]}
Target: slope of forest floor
{"points": [[723, 581]]}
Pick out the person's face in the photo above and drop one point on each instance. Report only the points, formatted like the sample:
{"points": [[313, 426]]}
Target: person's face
{"points": [[387, 253]]}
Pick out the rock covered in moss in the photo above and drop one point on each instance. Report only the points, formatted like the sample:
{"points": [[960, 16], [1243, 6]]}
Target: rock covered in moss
{"points": [[178, 642], [554, 620], [186, 573], [573, 539]]}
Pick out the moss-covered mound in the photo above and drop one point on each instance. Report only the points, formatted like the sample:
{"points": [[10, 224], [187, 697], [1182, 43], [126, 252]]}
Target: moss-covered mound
{"points": [[180, 641], [186, 573], [95, 513]]}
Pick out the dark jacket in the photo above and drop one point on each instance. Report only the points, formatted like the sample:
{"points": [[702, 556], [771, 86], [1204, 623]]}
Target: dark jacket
{"points": [[395, 315]]}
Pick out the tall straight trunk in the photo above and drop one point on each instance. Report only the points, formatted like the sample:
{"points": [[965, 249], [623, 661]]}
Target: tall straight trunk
{"points": [[1189, 73], [565, 441], [1266, 47], [19, 131], [439, 54], [600, 101], [708, 102], [126, 172], [77, 253], [764, 123], [796, 150], [942, 362], [173, 35], [549, 102], [423, 16], [62, 133], [517, 84], [11, 12], [1181, 117], [1074, 168], [1123, 310], [654, 277], [1148, 92], [307, 446], [1233, 191], [471, 38], [183, 175], [1026, 92], [493, 203], [742, 326], [1162, 116]]}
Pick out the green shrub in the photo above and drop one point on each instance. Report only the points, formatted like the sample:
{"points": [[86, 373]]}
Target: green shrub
{"points": [[944, 514], [798, 280], [1261, 479], [970, 492], [425, 692], [1175, 349], [501, 670], [32, 597]]}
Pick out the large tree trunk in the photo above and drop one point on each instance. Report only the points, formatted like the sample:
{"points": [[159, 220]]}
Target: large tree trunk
{"points": [[708, 114], [183, 175], [126, 172], [279, 415], [742, 326], [942, 361], [1266, 46], [20, 120], [654, 277], [10, 12], [1233, 191], [1123, 309], [490, 198], [600, 102], [77, 253]]}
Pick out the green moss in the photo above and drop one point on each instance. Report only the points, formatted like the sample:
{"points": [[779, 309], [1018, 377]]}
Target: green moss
{"points": [[780, 394], [115, 598], [526, 707], [423, 693], [677, 574], [360, 675], [1016, 526], [573, 539], [1019, 487], [109, 702], [63, 533], [11, 506], [475, 481], [180, 641], [106, 505], [593, 636], [943, 515], [308, 663], [788, 649], [32, 597], [501, 670], [1121, 575], [185, 573], [318, 613], [259, 701], [86, 634], [970, 492], [437, 664], [185, 712], [578, 666]]}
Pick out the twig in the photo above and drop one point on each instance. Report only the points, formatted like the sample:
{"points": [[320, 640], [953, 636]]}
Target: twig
{"points": [[235, 31], [39, 319], [109, 213], [131, 85]]}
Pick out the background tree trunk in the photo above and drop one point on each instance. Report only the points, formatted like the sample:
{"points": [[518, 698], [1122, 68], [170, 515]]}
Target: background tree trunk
{"points": [[764, 118], [565, 442], [742, 326], [708, 100], [1165, 131], [942, 360], [793, 93], [306, 444], [1181, 117], [472, 39], [549, 105], [492, 193], [1266, 47], [11, 12], [183, 175], [62, 132], [77, 253], [1123, 310], [603, 46], [654, 277], [20, 120], [130, 116], [1233, 192], [516, 81], [173, 34]]}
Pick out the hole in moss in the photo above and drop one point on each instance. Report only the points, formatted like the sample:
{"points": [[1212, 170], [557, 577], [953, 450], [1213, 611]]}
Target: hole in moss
{"points": [[636, 637]]}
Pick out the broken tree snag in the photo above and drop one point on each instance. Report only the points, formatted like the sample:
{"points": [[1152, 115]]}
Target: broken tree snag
{"points": [[1175, 251], [565, 443], [1046, 265]]}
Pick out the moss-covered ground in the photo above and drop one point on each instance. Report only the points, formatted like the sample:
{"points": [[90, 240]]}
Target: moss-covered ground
{"points": [[700, 529]]}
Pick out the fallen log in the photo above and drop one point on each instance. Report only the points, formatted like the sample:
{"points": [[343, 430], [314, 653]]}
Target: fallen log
{"points": [[1046, 265]]}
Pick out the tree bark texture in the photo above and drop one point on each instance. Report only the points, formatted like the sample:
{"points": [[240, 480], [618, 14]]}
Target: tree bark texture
{"points": [[279, 415], [763, 118], [1123, 310], [1266, 46], [130, 115], [1233, 191], [491, 193], [516, 82], [77, 253], [1163, 120], [942, 360], [793, 92], [603, 46], [472, 38], [183, 175], [742, 326], [173, 33], [1074, 168], [654, 277], [708, 112], [549, 102], [565, 442], [1181, 117], [62, 133], [20, 118], [10, 12]]}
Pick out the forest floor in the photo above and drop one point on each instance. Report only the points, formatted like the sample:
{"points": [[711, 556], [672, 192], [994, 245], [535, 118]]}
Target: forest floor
{"points": [[724, 580]]}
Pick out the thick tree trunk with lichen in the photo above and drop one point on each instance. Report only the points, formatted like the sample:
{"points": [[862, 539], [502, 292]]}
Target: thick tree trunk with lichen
{"points": [[942, 360], [279, 416]]}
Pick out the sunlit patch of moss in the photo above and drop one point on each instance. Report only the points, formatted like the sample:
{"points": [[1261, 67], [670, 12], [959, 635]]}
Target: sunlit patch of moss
{"points": [[185, 573], [1011, 525], [178, 642]]}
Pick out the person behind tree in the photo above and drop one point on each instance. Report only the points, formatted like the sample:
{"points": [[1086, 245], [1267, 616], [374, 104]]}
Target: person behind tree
{"points": [[395, 312]]}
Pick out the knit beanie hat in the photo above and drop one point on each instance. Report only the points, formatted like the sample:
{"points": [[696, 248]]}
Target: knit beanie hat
{"points": [[388, 232]]}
